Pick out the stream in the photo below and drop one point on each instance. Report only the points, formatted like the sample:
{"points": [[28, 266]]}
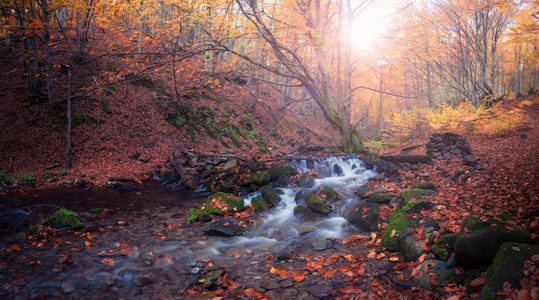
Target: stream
{"points": [[145, 247]]}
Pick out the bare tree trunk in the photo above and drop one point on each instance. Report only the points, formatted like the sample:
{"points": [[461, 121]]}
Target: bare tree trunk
{"points": [[68, 134]]}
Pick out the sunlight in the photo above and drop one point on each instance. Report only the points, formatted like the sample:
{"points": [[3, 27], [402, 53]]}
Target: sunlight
{"points": [[369, 28]]}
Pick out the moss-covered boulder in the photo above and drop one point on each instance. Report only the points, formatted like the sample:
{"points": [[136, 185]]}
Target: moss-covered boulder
{"points": [[316, 204], [508, 266], [379, 198], [304, 213], [306, 181], [258, 178], [63, 218], [429, 274], [364, 191], [411, 250], [412, 200], [390, 237], [481, 235], [233, 202], [226, 228], [259, 204], [217, 204], [363, 215], [329, 194], [440, 252], [270, 195], [279, 171], [409, 194]]}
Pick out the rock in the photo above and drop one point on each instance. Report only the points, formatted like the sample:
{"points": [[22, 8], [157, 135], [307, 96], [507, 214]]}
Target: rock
{"points": [[379, 198], [303, 212], [67, 288], [259, 178], [270, 195], [411, 201], [323, 245], [329, 192], [14, 218], [277, 172], [423, 277], [231, 163], [316, 204], [259, 204], [270, 284], [445, 146], [440, 252], [362, 215], [481, 235], [447, 240], [364, 191], [397, 223], [234, 203], [410, 248], [319, 290], [507, 266], [305, 228], [62, 218], [225, 227], [306, 181], [212, 277], [426, 186]]}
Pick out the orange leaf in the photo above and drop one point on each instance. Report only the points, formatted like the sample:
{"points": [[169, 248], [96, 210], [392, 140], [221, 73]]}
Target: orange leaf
{"points": [[454, 297], [393, 233], [477, 282], [299, 278], [107, 261]]}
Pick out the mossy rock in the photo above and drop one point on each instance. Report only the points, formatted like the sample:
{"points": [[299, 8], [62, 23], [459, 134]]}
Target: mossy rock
{"points": [[329, 192], [365, 191], [259, 204], [398, 223], [411, 250], [447, 240], [415, 205], [204, 214], [279, 171], [409, 194], [306, 181], [303, 212], [424, 277], [234, 203], [379, 198], [440, 252], [316, 204], [507, 267], [259, 178], [234, 136], [362, 215], [270, 196], [62, 218], [481, 235], [225, 228]]}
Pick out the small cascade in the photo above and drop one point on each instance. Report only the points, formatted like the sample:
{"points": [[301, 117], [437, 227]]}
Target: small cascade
{"points": [[279, 227]]}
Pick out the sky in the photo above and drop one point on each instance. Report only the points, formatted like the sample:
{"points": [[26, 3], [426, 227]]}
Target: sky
{"points": [[370, 26]]}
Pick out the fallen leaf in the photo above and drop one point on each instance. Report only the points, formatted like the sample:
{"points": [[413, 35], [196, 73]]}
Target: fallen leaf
{"points": [[477, 282]]}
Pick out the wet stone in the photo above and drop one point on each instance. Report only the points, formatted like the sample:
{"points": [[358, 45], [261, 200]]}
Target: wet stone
{"points": [[323, 245], [67, 288], [304, 229], [319, 290], [270, 285]]}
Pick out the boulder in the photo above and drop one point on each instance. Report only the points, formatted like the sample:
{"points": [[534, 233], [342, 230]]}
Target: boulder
{"points": [[306, 181], [316, 204], [481, 235], [511, 259], [259, 204], [270, 195], [279, 171], [446, 145], [362, 215], [429, 274], [303, 212], [425, 186], [225, 228], [259, 178], [330, 194], [233, 202], [62, 218], [412, 201], [390, 238], [411, 250]]}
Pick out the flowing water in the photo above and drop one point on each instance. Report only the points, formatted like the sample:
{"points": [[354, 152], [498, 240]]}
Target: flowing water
{"points": [[157, 245]]}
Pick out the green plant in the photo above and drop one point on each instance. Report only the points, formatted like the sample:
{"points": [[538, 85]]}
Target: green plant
{"points": [[4, 178], [105, 106], [52, 125]]}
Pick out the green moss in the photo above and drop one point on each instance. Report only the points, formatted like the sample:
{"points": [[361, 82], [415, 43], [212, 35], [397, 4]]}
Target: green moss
{"points": [[214, 134], [259, 178], [440, 252], [259, 204], [97, 210], [270, 196], [204, 214], [234, 136], [330, 194], [62, 218], [398, 223], [409, 194], [234, 203], [316, 204]]}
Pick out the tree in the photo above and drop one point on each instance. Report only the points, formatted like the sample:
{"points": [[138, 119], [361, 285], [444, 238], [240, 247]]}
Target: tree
{"points": [[326, 79]]}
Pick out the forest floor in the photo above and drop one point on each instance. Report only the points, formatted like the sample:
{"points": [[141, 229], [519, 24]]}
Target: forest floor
{"points": [[105, 146]]}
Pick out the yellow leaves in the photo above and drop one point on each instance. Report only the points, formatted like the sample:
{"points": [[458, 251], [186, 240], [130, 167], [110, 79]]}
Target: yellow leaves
{"points": [[525, 104], [435, 126], [394, 259]]}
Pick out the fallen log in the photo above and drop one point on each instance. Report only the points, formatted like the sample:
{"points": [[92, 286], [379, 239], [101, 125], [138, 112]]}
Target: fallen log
{"points": [[407, 159]]}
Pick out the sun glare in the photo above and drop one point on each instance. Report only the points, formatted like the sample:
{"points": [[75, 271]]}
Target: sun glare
{"points": [[369, 28]]}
